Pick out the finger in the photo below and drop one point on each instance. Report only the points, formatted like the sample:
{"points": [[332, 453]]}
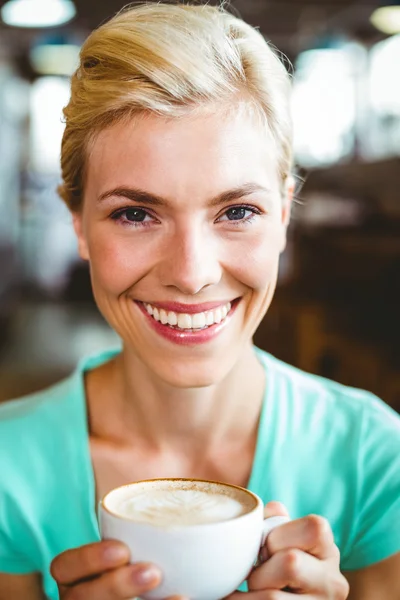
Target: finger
{"points": [[311, 534], [123, 583], [292, 569], [275, 509], [87, 561]]}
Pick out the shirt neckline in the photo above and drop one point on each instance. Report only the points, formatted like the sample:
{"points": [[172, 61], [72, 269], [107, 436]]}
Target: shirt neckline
{"points": [[258, 469], [261, 450]]}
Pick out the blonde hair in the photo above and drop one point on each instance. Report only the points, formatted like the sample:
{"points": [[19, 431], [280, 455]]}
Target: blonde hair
{"points": [[171, 60]]}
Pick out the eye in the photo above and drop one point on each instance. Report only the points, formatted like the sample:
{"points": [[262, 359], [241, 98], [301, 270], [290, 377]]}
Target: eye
{"points": [[242, 213], [236, 213], [132, 216], [136, 215]]}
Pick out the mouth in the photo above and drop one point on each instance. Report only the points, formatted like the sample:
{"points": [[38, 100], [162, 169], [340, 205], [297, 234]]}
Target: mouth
{"points": [[189, 327], [185, 321]]}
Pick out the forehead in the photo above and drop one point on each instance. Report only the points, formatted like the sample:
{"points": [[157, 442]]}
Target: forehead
{"points": [[203, 154]]}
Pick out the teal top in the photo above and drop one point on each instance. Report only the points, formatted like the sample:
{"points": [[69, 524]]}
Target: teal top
{"points": [[322, 448]]}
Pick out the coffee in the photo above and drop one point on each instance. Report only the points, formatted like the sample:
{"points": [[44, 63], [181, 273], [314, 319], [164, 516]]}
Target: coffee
{"points": [[204, 536], [166, 503]]}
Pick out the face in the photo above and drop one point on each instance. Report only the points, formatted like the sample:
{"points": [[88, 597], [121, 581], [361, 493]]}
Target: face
{"points": [[183, 222]]}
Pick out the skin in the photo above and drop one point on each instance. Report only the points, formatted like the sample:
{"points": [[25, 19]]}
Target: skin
{"points": [[181, 400], [182, 255], [185, 404]]}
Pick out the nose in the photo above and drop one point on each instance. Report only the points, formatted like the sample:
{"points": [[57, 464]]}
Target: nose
{"points": [[190, 261]]}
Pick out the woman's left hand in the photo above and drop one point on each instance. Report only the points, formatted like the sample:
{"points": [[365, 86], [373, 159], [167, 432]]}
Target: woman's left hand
{"points": [[300, 558]]}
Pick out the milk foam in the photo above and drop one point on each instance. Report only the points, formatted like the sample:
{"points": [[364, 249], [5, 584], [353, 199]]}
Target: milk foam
{"points": [[180, 507]]}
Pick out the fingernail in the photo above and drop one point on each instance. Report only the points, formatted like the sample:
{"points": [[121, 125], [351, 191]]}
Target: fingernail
{"points": [[114, 554], [145, 574]]}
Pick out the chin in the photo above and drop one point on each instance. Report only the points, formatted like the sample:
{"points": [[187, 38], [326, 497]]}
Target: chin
{"points": [[186, 376]]}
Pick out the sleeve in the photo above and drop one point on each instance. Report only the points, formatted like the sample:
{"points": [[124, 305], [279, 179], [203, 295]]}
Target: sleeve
{"points": [[376, 530], [17, 544], [16, 502], [12, 561]]}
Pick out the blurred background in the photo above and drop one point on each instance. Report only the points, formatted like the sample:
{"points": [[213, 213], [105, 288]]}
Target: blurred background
{"points": [[338, 299]]}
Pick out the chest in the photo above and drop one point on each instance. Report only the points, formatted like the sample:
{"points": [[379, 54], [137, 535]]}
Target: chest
{"points": [[114, 467]]}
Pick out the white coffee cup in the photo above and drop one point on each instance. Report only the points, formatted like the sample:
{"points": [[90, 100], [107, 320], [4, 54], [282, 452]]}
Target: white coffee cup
{"points": [[203, 561]]}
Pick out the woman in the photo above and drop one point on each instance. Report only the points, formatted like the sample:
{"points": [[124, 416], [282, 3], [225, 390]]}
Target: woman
{"points": [[176, 163]]}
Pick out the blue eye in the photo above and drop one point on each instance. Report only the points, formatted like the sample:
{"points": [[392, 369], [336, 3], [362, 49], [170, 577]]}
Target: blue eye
{"points": [[238, 215], [136, 216]]}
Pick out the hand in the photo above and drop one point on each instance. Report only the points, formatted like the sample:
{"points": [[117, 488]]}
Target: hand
{"points": [[299, 557], [101, 571]]}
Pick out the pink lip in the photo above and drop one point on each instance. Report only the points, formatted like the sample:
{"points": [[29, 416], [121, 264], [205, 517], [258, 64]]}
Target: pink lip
{"points": [[188, 338], [189, 309]]}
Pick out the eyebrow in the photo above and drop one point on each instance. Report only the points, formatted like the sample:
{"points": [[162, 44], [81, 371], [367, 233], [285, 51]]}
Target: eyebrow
{"points": [[142, 197]]}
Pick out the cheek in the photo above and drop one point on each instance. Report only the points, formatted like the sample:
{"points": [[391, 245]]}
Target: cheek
{"points": [[116, 265], [256, 263]]}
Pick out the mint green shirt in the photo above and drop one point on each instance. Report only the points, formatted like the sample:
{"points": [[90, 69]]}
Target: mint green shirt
{"points": [[322, 448]]}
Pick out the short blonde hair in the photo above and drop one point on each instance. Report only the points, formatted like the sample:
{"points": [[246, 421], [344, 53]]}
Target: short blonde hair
{"points": [[171, 60]]}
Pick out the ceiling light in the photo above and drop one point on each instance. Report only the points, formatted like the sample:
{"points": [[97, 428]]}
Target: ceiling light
{"points": [[37, 13], [55, 59], [387, 19]]}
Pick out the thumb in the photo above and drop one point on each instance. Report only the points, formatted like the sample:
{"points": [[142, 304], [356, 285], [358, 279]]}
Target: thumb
{"points": [[275, 509]]}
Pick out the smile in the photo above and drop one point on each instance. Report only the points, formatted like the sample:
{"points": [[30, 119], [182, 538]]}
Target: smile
{"points": [[185, 321]]}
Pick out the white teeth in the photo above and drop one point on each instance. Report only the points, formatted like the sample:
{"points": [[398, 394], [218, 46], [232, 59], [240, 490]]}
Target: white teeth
{"points": [[163, 317], [198, 321], [192, 321], [172, 318], [217, 315], [210, 318], [184, 321]]}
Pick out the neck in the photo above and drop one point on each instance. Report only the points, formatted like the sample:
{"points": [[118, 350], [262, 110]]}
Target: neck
{"points": [[147, 410]]}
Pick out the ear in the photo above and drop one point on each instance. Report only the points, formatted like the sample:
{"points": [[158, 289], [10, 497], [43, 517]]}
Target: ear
{"points": [[78, 227], [287, 200], [287, 207]]}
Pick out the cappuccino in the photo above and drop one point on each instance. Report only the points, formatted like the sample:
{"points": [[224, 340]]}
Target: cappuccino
{"points": [[204, 536], [166, 503]]}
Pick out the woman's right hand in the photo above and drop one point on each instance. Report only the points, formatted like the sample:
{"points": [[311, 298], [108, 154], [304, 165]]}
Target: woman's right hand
{"points": [[102, 571]]}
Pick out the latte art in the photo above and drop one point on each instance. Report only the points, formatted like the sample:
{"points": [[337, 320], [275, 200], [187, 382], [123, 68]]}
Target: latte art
{"points": [[181, 507], [205, 536]]}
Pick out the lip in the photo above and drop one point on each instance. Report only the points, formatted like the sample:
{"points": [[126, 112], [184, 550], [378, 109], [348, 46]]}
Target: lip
{"points": [[189, 309], [188, 337]]}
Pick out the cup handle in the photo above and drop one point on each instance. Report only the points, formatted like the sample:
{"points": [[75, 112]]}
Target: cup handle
{"points": [[269, 524]]}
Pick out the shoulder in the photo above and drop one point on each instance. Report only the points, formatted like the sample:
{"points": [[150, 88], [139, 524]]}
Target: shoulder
{"points": [[340, 439], [32, 430], [33, 441], [52, 404], [317, 393], [42, 425], [335, 418], [37, 409]]}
